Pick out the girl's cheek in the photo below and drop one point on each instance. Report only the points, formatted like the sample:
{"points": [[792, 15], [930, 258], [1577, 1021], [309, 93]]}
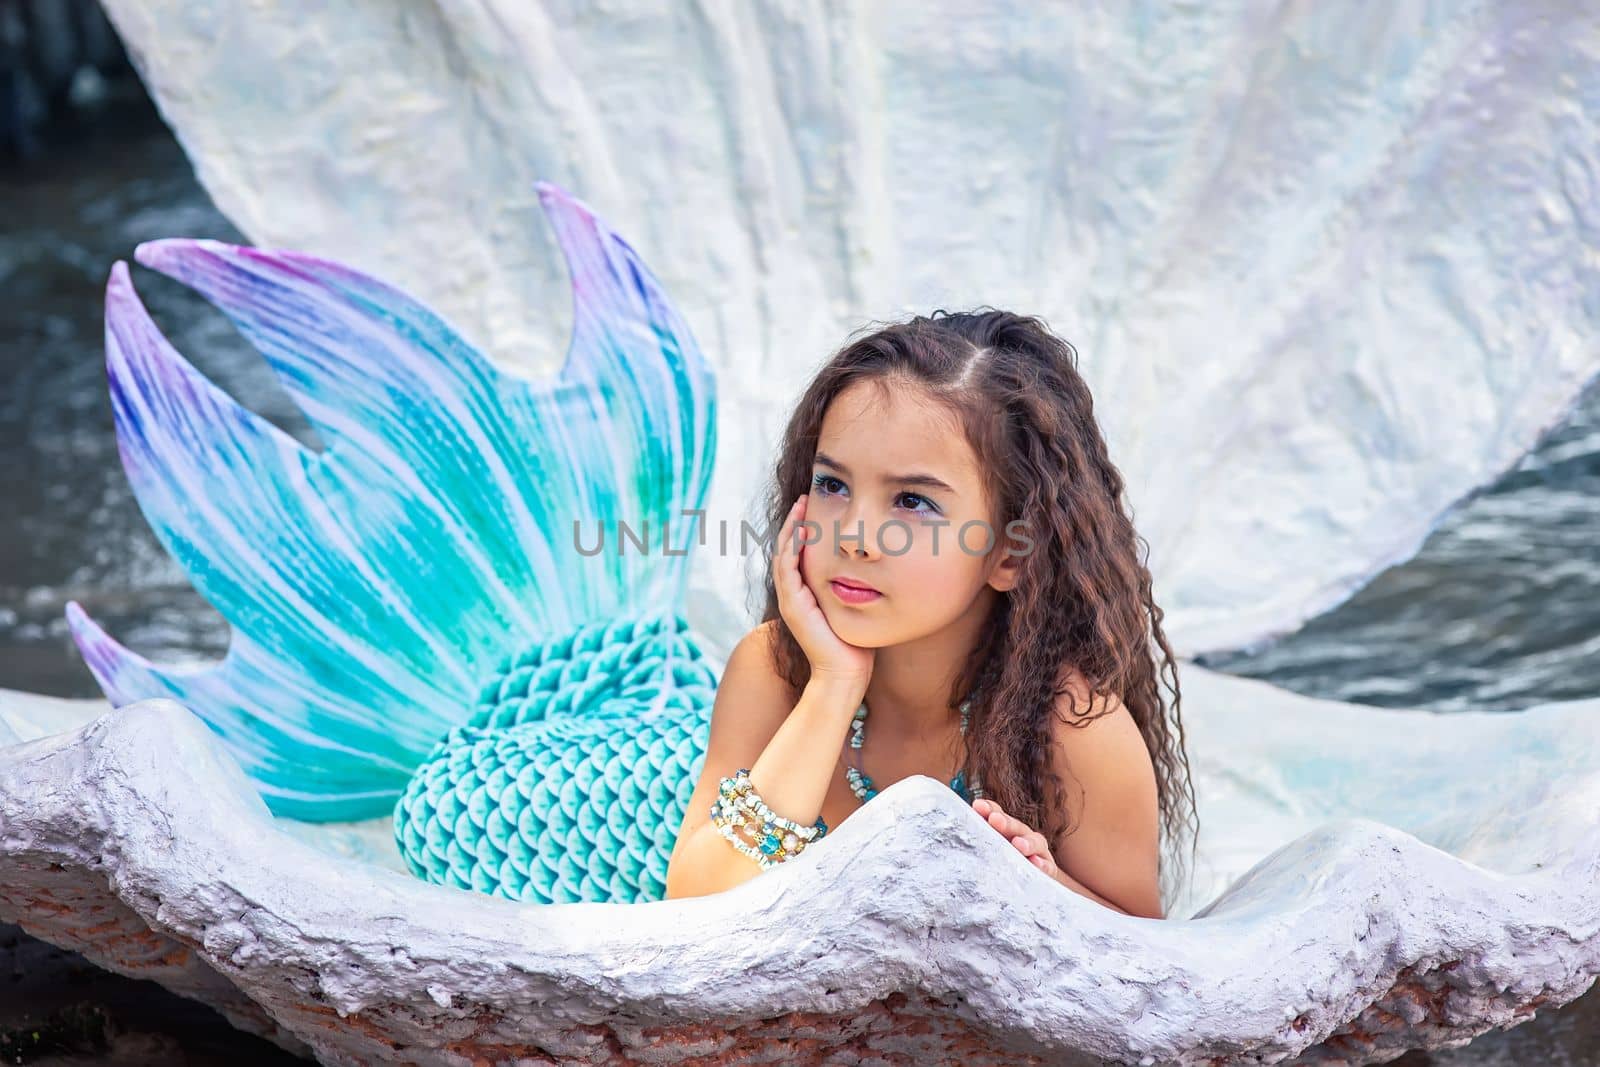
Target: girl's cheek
{"points": [[923, 573]]}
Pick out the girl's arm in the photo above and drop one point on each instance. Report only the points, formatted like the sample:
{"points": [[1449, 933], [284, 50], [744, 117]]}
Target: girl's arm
{"points": [[791, 751], [1031, 843], [1116, 842], [1078, 887]]}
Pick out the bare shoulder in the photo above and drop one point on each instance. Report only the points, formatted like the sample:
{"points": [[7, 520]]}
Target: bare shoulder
{"points": [[1082, 707], [752, 668], [1098, 747], [763, 637], [1100, 753]]}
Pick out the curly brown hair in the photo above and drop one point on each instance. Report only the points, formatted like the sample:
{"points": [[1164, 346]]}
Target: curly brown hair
{"points": [[1083, 594]]}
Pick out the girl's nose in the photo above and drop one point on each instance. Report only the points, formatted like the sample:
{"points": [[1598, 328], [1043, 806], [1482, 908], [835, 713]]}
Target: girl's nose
{"points": [[855, 535]]}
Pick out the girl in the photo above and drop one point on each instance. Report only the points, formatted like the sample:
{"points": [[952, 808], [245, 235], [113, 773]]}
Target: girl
{"points": [[955, 591]]}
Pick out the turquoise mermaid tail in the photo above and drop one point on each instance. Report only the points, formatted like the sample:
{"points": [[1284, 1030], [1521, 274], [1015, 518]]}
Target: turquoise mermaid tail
{"points": [[572, 777], [379, 589]]}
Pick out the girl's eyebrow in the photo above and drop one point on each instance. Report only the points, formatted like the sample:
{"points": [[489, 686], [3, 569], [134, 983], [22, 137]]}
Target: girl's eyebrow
{"points": [[895, 479]]}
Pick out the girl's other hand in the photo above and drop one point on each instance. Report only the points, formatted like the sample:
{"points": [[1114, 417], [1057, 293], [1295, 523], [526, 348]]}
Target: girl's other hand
{"points": [[1024, 838], [827, 652]]}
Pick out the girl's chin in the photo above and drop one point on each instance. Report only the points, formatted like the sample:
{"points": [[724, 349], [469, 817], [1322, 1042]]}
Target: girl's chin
{"points": [[855, 630]]}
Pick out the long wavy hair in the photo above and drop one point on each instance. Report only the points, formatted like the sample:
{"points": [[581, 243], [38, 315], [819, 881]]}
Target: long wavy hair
{"points": [[1083, 594]]}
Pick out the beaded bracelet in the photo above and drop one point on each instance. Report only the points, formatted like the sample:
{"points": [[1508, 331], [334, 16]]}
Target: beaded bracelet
{"points": [[775, 837], [729, 827], [742, 791], [732, 820], [740, 807], [771, 848]]}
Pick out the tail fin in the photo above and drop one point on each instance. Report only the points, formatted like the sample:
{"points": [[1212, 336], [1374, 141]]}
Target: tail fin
{"points": [[372, 587]]}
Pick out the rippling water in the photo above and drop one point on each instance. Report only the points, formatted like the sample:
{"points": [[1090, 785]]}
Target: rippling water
{"points": [[71, 528], [1499, 610]]}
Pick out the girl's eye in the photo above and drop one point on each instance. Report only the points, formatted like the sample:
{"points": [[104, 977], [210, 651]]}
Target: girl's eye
{"points": [[821, 482]]}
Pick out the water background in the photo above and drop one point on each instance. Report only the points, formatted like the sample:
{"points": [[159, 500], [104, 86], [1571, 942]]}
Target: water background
{"points": [[1499, 610]]}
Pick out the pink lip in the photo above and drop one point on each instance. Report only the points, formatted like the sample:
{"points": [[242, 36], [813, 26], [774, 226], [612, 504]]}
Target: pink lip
{"points": [[852, 594]]}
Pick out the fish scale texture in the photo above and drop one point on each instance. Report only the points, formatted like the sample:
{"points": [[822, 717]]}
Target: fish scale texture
{"points": [[571, 778]]}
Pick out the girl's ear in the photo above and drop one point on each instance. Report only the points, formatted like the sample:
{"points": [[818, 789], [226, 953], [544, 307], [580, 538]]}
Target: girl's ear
{"points": [[1005, 574], [1008, 562]]}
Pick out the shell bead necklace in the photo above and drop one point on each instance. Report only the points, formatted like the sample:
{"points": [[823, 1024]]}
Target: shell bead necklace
{"points": [[861, 783]]}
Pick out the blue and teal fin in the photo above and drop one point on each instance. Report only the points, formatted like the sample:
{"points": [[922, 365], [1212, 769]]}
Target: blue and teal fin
{"points": [[373, 587]]}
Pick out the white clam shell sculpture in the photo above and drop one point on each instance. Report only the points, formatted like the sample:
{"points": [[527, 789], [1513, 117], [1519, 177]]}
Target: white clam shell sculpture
{"points": [[1326, 283]]}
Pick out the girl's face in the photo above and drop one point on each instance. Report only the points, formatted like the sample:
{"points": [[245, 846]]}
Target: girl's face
{"points": [[901, 506]]}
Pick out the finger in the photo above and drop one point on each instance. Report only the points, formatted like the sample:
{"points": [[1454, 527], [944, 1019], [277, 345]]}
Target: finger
{"points": [[1035, 855], [1007, 825], [802, 529], [996, 809], [801, 591], [785, 534], [787, 558], [793, 542]]}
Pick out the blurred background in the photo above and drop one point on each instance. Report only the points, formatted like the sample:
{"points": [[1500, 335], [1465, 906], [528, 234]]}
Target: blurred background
{"points": [[1499, 610]]}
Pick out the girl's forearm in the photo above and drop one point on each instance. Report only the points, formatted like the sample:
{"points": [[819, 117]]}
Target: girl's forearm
{"points": [[791, 775], [793, 772], [1078, 887]]}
